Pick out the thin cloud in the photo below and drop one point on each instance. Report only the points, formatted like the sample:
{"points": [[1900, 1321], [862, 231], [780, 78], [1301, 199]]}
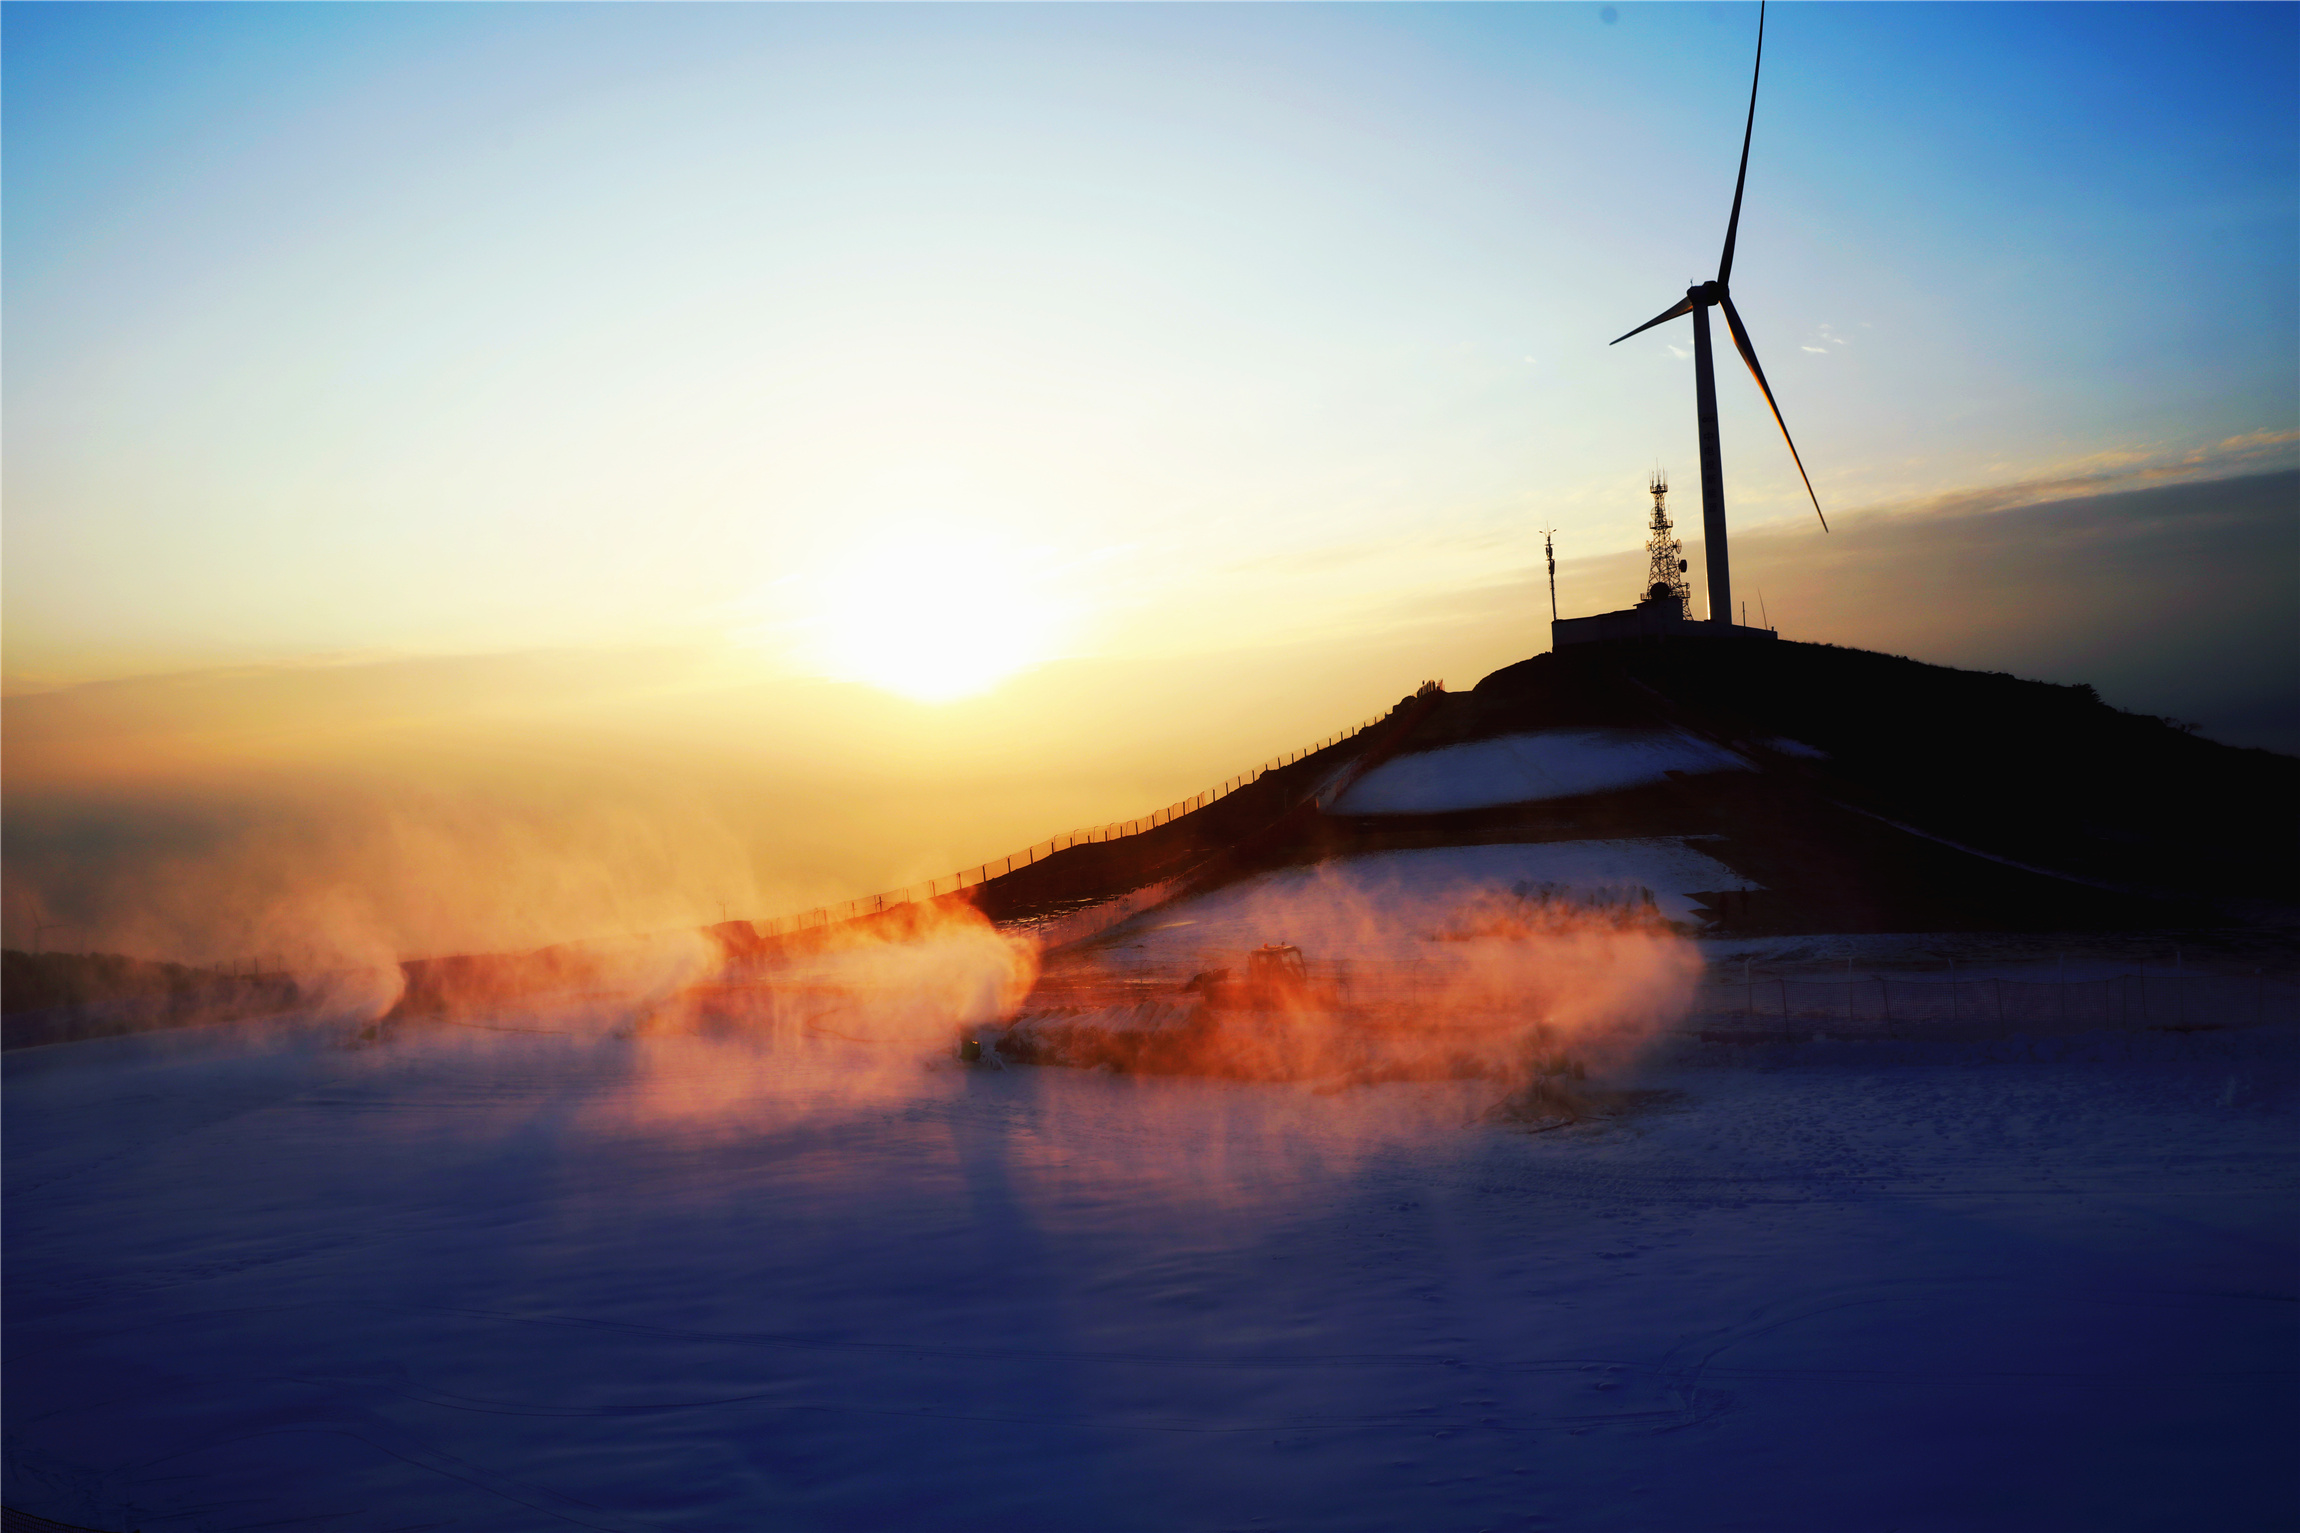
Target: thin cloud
{"points": [[2254, 440], [2116, 470]]}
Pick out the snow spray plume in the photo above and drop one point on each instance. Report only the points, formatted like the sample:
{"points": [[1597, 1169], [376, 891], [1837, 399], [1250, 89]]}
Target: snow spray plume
{"points": [[274, 869], [1415, 1012], [854, 1017], [336, 890], [1466, 984], [342, 978]]}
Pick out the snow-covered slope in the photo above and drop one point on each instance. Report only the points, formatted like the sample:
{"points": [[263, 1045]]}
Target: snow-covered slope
{"points": [[1525, 768], [513, 1281], [1378, 898]]}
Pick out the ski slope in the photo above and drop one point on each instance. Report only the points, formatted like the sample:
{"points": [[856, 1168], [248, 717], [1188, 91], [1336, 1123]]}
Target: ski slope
{"points": [[566, 1278], [1380, 901], [1530, 767]]}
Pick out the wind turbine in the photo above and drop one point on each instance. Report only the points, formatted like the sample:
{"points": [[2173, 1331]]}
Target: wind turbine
{"points": [[1697, 302]]}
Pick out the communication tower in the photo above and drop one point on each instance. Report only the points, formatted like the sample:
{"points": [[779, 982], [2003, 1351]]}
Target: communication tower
{"points": [[1664, 555], [1664, 601]]}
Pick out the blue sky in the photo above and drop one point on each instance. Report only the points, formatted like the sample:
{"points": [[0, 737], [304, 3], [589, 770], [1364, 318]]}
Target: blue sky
{"points": [[315, 300]]}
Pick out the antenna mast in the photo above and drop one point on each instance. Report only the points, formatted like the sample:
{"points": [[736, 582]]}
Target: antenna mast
{"points": [[1664, 555], [1549, 552]]}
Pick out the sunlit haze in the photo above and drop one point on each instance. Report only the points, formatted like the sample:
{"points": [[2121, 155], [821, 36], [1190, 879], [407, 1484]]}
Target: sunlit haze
{"points": [[774, 452]]}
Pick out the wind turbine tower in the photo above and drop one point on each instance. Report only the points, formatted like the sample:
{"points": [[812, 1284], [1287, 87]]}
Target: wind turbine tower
{"points": [[1699, 299]]}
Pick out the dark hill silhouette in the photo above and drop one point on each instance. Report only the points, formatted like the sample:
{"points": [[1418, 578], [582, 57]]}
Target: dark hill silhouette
{"points": [[1892, 794]]}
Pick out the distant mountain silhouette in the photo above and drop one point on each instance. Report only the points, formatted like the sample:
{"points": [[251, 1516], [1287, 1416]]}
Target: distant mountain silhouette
{"points": [[59, 997]]}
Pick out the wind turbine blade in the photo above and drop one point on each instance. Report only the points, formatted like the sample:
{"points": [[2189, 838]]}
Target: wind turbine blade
{"points": [[1684, 306], [1749, 355], [1733, 224]]}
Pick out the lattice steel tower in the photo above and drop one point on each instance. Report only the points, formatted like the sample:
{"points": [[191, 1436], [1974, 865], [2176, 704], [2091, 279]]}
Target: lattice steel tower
{"points": [[1664, 555]]}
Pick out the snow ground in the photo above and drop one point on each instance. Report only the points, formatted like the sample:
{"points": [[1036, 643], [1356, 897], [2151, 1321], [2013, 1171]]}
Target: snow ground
{"points": [[496, 1280], [1524, 768], [1289, 904]]}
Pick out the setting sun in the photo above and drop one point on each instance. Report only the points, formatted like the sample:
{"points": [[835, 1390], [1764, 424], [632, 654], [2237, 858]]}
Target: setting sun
{"points": [[930, 613]]}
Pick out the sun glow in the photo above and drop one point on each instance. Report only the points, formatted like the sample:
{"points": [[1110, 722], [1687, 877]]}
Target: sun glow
{"points": [[931, 613]]}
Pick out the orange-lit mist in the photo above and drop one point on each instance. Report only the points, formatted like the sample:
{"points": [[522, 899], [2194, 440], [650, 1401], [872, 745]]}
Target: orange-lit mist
{"points": [[1461, 985], [1455, 1003]]}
